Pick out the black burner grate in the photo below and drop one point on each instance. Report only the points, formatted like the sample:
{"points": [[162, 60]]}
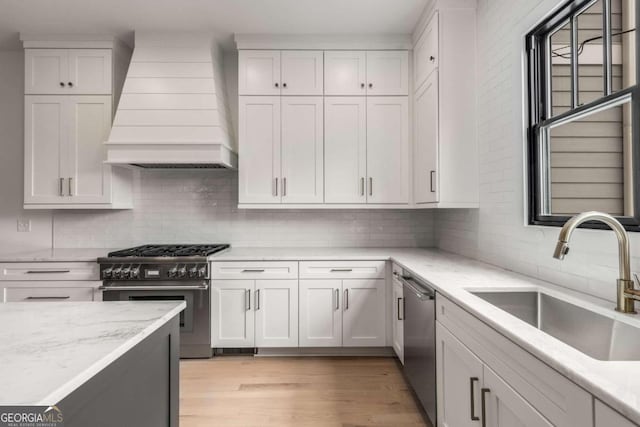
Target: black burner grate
{"points": [[170, 251]]}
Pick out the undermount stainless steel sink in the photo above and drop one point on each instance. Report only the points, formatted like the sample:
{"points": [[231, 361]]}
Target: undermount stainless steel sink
{"points": [[598, 336]]}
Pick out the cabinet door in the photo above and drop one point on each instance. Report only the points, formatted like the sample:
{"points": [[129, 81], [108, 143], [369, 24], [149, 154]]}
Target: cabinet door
{"points": [[302, 149], [425, 53], [302, 72], [259, 72], [231, 314], [88, 179], [388, 149], [320, 313], [363, 323], [259, 150], [459, 380], [46, 71], [388, 72], [45, 149], [427, 138], [607, 417], [89, 72], [505, 407], [37, 293], [345, 73], [398, 320], [345, 149], [276, 311]]}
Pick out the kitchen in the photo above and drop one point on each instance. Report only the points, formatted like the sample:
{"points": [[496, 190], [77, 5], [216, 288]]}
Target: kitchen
{"points": [[344, 217]]}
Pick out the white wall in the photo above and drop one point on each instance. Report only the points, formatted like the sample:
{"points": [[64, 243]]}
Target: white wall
{"points": [[496, 232], [12, 160]]}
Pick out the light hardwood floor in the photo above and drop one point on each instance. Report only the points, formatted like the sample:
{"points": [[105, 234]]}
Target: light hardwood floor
{"points": [[306, 391]]}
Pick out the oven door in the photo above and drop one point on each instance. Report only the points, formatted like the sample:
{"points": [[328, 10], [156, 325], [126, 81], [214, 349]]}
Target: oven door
{"points": [[195, 323]]}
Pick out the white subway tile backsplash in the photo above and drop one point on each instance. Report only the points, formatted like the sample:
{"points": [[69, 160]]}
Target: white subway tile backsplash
{"points": [[201, 206]]}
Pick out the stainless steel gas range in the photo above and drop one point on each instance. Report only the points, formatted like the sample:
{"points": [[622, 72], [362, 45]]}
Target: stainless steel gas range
{"points": [[166, 273]]}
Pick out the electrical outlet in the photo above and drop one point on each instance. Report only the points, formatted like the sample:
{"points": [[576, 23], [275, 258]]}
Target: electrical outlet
{"points": [[24, 225]]}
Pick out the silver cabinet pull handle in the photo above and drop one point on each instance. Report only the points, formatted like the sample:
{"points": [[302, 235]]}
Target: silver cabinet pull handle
{"points": [[341, 270], [483, 393], [48, 298], [337, 299], [399, 318], [248, 293], [370, 186], [432, 175], [70, 187], [47, 271], [154, 288], [284, 187], [276, 188], [472, 380], [346, 299], [362, 186], [257, 299], [62, 186], [257, 270]]}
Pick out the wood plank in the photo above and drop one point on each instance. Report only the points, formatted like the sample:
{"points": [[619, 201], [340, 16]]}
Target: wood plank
{"points": [[130, 101], [587, 191], [168, 118], [147, 85], [195, 70], [585, 160], [312, 391], [602, 175]]}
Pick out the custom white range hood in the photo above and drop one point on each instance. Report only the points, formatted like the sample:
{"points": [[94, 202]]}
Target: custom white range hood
{"points": [[173, 112]]}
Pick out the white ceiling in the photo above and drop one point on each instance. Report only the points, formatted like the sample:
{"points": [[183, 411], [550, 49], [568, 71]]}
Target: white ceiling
{"points": [[224, 17]]}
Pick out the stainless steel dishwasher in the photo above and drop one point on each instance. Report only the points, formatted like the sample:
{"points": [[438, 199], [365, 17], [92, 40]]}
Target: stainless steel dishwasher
{"points": [[420, 341]]}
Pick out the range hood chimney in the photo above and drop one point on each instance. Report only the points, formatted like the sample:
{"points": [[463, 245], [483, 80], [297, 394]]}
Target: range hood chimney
{"points": [[173, 111]]}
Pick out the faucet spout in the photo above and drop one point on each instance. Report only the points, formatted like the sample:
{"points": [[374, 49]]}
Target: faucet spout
{"points": [[625, 283]]}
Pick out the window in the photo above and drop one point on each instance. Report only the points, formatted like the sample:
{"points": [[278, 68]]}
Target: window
{"points": [[584, 113]]}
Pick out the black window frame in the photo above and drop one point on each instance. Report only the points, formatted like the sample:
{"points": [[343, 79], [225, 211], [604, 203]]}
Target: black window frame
{"points": [[539, 118]]}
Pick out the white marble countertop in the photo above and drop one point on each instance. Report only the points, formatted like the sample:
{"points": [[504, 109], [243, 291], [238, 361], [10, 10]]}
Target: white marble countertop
{"points": [[614, 382], [55, 255], [48, 349]]}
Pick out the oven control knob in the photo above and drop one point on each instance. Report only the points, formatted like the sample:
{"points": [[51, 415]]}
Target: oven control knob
{"points": [[202, 272], [173, 272], [135, 273], [117, 273], [107, 273], [193, 272], [182, 272], [125, 272]]}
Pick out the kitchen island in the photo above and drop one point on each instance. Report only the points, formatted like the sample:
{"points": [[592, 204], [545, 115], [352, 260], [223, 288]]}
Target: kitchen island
{"points": [[100, 364]]}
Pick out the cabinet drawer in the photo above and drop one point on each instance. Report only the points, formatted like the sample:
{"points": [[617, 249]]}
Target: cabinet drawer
{"points": [[37, 271], [560, 401], [254, 270], [50, 293], [342, 269]]}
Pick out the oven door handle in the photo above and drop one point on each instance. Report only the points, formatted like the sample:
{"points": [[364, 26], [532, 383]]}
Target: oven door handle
{"points": [[155, 288]]}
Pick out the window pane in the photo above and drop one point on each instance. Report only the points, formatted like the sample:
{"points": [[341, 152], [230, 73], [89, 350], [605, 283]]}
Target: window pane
{"points": [[589, 159], [623, 43], [590, 54], [560, 47]]}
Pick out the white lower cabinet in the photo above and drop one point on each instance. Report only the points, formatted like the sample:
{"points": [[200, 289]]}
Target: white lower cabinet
{"points": [[254, 313], [276, 313], [398, 320], [59, 292], [483, 379], [342, 313], [607, 417], [231, 313]]}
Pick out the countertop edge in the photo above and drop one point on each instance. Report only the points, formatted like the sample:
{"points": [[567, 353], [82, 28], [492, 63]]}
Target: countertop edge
{"points": [[70, 386]]}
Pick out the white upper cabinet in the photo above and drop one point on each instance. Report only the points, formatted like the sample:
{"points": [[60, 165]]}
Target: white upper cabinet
{"points": [[259, 72], [388, 149], [425, 53], [302, 72], [302, 149], [426, 125], [388, 72], [259, 150], [345, 73], [274, 72], [345, 149], [68, 72]]}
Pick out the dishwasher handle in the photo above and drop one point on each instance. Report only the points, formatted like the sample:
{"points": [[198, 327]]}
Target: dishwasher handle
{"points": [[422, 292]]}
